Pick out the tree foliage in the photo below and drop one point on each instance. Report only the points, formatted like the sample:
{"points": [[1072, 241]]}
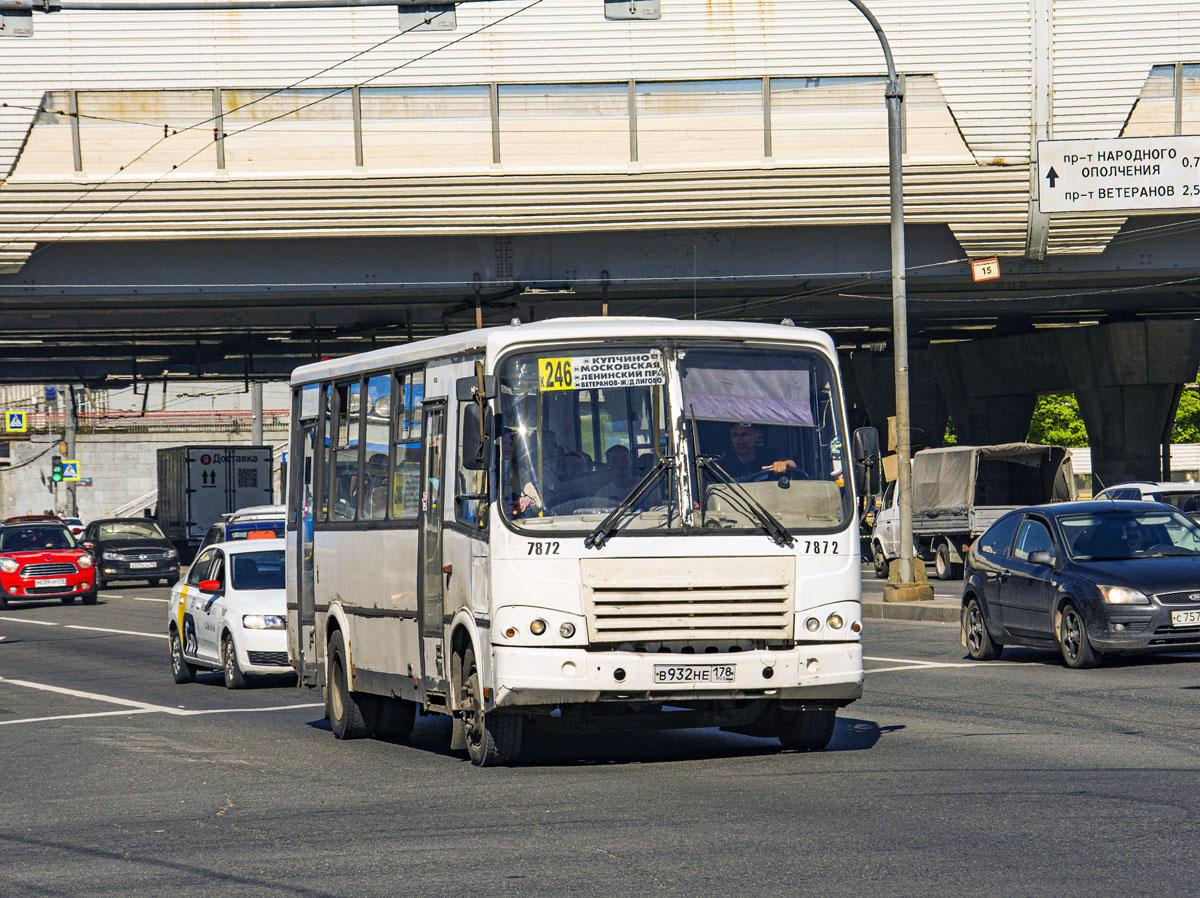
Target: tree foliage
{"points": [[1187, 418], [1056, 421]]}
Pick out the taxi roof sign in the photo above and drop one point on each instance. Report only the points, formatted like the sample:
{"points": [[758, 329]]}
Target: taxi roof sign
{"points": [[16, 422]]}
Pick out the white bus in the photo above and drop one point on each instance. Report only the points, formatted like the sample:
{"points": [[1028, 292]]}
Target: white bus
{"points": [[581, 524]]}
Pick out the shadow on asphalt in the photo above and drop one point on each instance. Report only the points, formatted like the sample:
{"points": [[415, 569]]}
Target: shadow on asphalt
{"points": [[432, 734]]}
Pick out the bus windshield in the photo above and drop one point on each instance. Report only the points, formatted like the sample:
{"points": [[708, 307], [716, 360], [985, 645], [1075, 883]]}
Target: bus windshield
{"points": [[579, 429]]}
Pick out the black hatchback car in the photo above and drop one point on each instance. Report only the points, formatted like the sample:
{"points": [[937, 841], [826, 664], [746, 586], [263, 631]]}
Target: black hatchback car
{"points": [[131, 549], [1085, 577]]}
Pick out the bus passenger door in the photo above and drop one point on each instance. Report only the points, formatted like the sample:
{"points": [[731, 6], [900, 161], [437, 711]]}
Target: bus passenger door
{"points": [[432, 583], [306, 657]]}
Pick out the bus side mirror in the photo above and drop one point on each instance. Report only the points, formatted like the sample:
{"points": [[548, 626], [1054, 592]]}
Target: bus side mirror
{"points": [[868, 469], [475, 388], [476, 452]]}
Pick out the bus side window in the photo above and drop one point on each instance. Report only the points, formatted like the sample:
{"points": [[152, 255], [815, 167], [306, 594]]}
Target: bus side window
{"points": [[408, 392], [470, 487]]}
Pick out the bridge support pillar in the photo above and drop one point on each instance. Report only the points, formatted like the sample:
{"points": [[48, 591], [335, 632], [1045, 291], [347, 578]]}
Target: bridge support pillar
{"points": [[874, 376], [991, 387], [1127, 378]]}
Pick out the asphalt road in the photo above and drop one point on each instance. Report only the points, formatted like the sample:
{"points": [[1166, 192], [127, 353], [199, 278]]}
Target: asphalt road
{"points": [[1015, 777]]}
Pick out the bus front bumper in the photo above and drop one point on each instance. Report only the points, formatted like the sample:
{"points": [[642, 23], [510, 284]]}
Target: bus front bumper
{"points": [[552, 676]]}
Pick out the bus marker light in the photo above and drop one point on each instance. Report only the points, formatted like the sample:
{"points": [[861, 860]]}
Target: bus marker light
{"points": [[619, 674], [812, 624], [835, 621], [511, 633], [538, 627], [568, 668], [856, 627], [768, 672], [813, 665], [567, 630]]}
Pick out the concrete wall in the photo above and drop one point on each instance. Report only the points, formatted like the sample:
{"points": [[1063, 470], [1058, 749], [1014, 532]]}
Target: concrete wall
{"points": [[123, 466]]}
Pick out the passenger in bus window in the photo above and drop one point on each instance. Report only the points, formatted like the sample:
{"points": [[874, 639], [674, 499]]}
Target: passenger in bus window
{"points": [[746, 459]]}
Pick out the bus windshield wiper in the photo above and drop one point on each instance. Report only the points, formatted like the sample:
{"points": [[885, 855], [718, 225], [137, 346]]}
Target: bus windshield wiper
{"points": [[767, 521], [598, 537]]}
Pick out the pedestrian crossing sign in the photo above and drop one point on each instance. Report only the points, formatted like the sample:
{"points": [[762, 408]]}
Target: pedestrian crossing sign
{"points": [[15, 422], [70, 469]]}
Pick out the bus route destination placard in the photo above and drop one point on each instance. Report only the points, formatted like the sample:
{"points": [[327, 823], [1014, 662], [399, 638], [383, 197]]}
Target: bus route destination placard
{"points": [[593, 372]]}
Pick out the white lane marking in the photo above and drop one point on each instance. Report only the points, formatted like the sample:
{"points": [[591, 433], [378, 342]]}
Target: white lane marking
{"points": [[255, 710], [121, 632], [112, 595], [94, 696], [22, 620], [124, 713], [913, 664]]}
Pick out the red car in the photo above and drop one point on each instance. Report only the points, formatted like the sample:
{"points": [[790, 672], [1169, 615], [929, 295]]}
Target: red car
{"points": [[42, 560]]}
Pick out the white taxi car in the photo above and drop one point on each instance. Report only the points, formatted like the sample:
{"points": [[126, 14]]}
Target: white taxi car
{"points": [[230, 613]]}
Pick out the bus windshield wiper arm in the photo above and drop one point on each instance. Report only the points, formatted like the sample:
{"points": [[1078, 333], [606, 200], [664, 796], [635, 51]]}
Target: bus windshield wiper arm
{"points": [[767, 521], [598, 537]]}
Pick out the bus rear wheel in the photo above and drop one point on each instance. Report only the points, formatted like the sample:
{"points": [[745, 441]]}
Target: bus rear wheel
{"points": [[492, 738], [347, 710], [805, 729]]}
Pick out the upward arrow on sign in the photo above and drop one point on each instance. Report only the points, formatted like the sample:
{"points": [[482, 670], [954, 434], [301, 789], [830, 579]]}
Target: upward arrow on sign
{"points": [[1052, 176]]}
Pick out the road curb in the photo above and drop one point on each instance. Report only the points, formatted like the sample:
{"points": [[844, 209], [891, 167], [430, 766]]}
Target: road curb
{"points": [[941, 612]]}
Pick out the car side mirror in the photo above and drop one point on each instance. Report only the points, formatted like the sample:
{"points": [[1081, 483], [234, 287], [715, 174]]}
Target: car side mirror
{"points": [[1042, 556], [209, 585], [88, 544]]}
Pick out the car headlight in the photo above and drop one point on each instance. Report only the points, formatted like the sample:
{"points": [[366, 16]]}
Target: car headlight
{"points": [[112, 556], [172, 554], [1123, 595], [264, 621], [9, 565], [84, 561]]}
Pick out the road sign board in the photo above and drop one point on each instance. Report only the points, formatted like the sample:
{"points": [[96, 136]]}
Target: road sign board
{"points": [[70, 469], [15, 422], [1120, 174], [84, 481]]}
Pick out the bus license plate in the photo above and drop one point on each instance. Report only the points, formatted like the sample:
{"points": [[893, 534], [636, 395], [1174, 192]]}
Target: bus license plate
{"points": [[57, 581], [693, 673], [1185, 618]]}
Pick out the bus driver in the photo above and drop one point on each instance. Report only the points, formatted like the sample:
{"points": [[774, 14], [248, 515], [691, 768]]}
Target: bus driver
{"points": [[747, 458]]}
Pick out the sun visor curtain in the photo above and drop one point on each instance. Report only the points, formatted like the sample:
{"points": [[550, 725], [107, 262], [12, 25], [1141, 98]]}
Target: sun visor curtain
{"points": [[762, 388]]}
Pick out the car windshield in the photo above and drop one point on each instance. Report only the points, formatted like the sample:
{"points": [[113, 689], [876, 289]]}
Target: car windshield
{"points": [[257, 570], [28, 539], [125, 530], [1119, 534]]}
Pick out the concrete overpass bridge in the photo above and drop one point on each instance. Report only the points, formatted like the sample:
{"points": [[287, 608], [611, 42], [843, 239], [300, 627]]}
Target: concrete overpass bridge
{"points": [[216, 194]]}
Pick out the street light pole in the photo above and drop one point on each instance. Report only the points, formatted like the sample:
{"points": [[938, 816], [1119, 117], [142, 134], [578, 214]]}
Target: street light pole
{"points": [[895, 96]]}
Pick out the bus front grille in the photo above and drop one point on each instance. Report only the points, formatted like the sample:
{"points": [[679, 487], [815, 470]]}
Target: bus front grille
{"points": [[638, 600]]}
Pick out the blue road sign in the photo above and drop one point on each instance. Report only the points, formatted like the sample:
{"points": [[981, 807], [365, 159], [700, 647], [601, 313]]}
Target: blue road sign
{"points": [[15, 422], [70, 469]]}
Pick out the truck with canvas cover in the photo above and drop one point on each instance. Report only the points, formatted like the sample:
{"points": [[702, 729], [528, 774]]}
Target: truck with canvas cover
{"points": [[960, 491]]}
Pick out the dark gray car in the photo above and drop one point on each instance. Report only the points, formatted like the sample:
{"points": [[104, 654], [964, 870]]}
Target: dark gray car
{"points": [[131, 549], [1084, 577]]}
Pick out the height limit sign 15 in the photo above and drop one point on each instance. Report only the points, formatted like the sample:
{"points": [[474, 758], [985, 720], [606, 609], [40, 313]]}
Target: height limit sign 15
{"points": [[1124, 174]]}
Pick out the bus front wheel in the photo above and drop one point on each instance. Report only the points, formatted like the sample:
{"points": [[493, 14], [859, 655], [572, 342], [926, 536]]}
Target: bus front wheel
{"points": [[347, 710], [804, 729], [492, 738]]}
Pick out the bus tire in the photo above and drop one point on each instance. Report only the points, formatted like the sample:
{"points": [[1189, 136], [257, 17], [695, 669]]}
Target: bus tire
{"points": [[492, 738], [805, 729], [347, 710], [394, 717]]}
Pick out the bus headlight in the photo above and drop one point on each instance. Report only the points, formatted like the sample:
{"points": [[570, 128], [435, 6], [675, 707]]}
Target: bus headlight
{"points": [[567, 630], [812, 625], [835, 621], [537, 627]]}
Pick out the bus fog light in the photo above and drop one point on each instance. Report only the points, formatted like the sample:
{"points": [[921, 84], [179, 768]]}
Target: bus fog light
{"points": [[567, 630], [619, 674], [511, 633], [812, 625], [835, 621], [538, 627], [856, 627], [568, 669], [813, 665], [768, 672]]}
